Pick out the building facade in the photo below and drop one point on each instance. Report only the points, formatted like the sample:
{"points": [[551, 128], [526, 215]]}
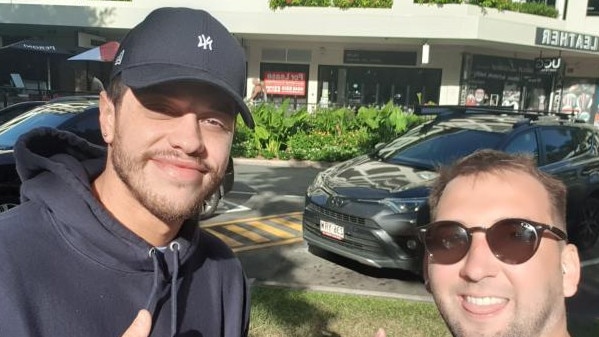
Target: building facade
{"points": [[408, 54]]}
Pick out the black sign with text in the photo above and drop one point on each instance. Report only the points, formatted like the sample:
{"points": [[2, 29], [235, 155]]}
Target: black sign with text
{"points": [[379, 57], [548, 64]]}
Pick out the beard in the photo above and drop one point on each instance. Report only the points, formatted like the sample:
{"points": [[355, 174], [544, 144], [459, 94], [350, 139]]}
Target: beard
{"points": [[169, 209]]}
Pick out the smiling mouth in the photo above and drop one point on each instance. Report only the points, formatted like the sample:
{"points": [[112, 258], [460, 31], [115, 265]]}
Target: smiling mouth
{"points": [[484, 301]]}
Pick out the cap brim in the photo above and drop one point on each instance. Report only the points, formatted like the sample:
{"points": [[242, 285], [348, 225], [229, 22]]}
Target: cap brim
{"points": [[147, 75]]}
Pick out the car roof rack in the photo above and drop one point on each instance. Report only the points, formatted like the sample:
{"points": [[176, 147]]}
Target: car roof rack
{"points": [[445, 111]]}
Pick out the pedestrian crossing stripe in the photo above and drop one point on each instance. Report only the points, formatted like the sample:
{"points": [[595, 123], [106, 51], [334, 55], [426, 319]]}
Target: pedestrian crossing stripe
{"points": [[259, 232]]}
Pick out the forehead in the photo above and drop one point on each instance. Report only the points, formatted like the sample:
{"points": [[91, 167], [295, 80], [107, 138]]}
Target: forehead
{"points": [[496, 195]]}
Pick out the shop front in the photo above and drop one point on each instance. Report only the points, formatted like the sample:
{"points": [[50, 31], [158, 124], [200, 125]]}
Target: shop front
{"points": [[538, 85], [498, 81], [375, 78], [355, 86]]}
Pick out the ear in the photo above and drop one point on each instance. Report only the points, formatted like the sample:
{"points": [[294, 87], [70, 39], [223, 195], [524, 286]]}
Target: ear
{"points": [[107, 118], [570, 269], [425, 263]]}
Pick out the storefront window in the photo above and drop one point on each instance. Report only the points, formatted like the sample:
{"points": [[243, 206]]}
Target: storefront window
{"points": [[497, 81], [358, 86], [593, 8]]}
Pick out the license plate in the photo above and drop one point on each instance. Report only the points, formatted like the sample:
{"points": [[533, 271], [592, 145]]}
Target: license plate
{"points": [[331, 230]]}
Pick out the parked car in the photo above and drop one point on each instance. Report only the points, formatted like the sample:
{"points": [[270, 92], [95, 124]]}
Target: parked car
{"points": [[77, 114], [16, 109], [367, 208]]}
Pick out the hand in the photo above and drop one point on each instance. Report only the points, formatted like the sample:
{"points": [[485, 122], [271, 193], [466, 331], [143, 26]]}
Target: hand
{"points": [[381, 333], [141, 326]]}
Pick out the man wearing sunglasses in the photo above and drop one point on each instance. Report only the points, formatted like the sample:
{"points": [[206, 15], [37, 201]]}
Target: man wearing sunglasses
{"points": [[497, 261]]}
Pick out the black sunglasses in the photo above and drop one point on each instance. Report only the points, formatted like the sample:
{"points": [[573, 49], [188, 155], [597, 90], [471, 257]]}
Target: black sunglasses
{"points": [[512, 241]]}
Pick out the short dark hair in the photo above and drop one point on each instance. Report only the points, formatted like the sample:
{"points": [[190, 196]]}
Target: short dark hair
{"points": [[116, 90], [493, 162]]}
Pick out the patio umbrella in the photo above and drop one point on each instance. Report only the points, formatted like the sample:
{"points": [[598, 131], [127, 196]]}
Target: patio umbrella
{"points": [[38, 47], [103, 53]]}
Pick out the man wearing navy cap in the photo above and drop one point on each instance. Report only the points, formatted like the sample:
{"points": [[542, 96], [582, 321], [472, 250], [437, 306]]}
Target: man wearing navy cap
{"points": [[100, 236]]}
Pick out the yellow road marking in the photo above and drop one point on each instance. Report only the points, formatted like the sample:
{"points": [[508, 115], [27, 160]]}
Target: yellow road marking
{"points": [[246, 233], [229, 241], [292, 214], [293, 225], [246, 238], [270, 229]]}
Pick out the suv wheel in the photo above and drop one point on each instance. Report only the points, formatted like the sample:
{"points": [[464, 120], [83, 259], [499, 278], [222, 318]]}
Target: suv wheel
{"points": [[586, 229], [210, 205]]}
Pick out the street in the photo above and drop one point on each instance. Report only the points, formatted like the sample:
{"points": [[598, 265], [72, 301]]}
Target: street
{"points": [[261, 220], [267, 194]]}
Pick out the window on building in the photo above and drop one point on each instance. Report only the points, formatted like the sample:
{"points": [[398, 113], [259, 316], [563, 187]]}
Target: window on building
{"points": [[593, 8]]}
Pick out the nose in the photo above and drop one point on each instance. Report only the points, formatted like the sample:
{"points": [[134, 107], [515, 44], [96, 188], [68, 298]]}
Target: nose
{"points": [[186, 134], [479, 262]]}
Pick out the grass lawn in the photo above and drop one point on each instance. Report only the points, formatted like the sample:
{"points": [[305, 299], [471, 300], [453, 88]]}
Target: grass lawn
{"points": [[278, 312], [282, 312]]}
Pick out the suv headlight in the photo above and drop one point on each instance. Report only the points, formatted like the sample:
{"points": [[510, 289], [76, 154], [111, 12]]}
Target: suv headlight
{"points": [[402, 205], [317, 184]]}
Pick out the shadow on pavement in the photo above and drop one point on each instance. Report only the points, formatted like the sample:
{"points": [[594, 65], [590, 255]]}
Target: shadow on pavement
{"points": [[385, 273]]}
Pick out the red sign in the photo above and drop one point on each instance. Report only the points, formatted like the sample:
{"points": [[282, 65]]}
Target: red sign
{"points": [[285, 83]]}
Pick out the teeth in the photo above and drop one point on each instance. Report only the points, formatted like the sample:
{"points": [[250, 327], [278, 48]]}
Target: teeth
{"points": [[484, 300]]}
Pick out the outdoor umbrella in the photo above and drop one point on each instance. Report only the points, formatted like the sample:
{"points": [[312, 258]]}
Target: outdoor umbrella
{"points": [[40, 47], [103, 53]]}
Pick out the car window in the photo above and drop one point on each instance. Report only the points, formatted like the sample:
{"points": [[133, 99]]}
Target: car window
{"points": [[524, 142], [10, 132], [86, 125], [439, 146], [565, 142]]}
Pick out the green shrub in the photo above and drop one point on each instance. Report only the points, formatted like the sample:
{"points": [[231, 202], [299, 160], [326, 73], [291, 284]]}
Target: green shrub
{"points": [[321, 146], [535, 8], [276, 4], [323, 135]]}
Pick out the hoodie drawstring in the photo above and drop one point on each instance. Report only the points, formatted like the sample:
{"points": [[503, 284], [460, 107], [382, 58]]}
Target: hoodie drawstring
{"points": [[153, 299], [174, 247], [151, 304]]}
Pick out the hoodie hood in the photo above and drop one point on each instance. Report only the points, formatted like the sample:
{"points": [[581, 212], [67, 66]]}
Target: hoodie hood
{"points": [[57, 168]]}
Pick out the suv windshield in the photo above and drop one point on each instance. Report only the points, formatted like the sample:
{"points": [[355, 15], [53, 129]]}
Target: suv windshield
{"points": [[428, 147]]}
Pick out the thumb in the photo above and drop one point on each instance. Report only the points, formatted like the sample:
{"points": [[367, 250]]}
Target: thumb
{"points": [[141, 326], [381, 333]]}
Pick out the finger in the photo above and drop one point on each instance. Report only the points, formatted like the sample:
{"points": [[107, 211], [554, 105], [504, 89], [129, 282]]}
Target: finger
{"points": [[381, 333], [141, 326]]}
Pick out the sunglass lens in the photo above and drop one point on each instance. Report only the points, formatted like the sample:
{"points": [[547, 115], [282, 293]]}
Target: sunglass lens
{"points": [[512, 241], [447, 242]]}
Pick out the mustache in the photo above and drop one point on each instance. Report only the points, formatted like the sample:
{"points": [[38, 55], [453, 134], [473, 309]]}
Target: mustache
{"points": [[178, 156]]}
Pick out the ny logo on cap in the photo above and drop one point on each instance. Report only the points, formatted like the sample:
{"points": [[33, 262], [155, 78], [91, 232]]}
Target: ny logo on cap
{"points": [[205, 42]]}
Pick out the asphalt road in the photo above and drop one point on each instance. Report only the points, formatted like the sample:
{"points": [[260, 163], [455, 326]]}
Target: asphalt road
{"points": [[270, 194]]}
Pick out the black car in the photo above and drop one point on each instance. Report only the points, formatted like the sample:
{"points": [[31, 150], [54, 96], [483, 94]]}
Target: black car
{"points": [[367, 208], [78, 115], [16, 109]]}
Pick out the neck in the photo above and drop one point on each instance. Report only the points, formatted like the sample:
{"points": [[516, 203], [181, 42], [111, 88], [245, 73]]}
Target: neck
{"points": [[122, 205]]}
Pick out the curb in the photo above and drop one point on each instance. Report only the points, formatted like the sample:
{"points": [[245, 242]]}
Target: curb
{"points": [[283, 163], [298, 286]]}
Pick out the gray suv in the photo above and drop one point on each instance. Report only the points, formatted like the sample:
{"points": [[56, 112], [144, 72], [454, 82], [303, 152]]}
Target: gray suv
{"points": [[367, 208]]}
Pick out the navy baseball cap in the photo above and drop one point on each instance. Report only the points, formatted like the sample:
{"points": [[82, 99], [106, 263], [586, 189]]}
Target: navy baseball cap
{"points": [[174, 44]]}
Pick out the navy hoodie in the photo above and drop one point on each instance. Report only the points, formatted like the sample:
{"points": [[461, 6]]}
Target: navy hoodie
{"points": [[68, 268]]}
